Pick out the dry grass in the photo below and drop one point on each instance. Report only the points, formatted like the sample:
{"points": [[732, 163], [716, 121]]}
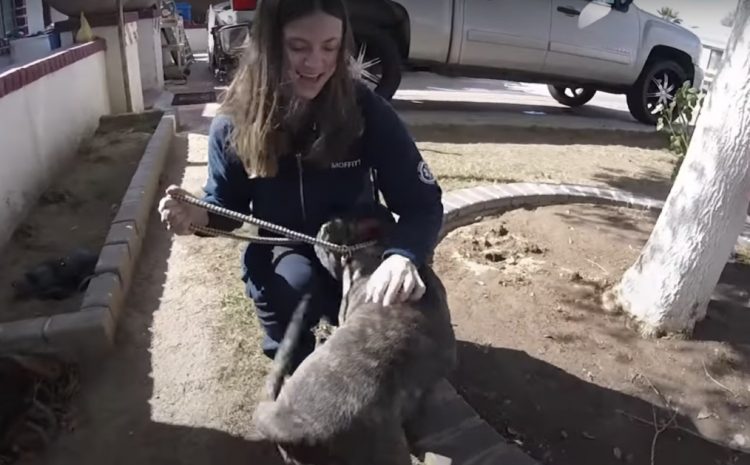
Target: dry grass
{"points": [[240, 334], [530, 155]]}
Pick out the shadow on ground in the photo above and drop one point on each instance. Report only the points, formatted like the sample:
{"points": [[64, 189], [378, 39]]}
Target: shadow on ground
{"points": [[728, 316], [648, 182], [589, 111], [562, 419], [499, 134], [193, 121], [608, 218], [113, 412]]}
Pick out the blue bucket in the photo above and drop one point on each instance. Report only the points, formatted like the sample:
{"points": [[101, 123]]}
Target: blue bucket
{"points": [[185, 10]]}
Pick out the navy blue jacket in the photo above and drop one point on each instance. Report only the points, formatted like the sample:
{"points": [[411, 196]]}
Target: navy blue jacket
{"points": [[303, 197]]}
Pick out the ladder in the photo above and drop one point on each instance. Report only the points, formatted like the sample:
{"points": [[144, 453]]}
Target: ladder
{"points": [[177, 56]]}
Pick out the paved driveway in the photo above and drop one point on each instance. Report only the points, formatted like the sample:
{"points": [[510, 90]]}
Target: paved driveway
{"points": [[427, 98]]}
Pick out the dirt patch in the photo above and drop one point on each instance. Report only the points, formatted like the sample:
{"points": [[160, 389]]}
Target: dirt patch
{"points": [[570, 384], [463, 156], [75, 211]]}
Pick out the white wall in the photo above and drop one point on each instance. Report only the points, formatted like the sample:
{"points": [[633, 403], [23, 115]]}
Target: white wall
{"points": [[114, 67], [29, 49], [198, 39], [149, 49], [35, 16], [42, 126], [57, 16]]}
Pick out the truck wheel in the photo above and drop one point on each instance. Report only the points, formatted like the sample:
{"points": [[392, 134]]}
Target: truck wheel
{"points": [[658, 84], [572, 96], [378, 52]]}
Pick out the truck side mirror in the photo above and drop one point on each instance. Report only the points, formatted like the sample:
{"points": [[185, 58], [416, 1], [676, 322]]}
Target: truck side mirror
{"points": [[622, 5]]}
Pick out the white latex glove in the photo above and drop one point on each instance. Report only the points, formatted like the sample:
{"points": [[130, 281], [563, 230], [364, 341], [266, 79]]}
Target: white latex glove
{"points": [[396, 280]]}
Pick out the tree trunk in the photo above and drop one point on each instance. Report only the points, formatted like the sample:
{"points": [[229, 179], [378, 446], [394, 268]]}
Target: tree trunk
{"points": [[669, 287]]}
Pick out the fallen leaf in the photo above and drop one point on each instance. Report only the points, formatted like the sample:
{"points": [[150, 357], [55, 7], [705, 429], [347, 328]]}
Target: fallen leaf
{"points": [[564, 434], [587, 435], [617, 453], [704, 413]]}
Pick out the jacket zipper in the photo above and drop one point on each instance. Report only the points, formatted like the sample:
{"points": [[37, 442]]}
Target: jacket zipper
{"points": [[301, 186]]}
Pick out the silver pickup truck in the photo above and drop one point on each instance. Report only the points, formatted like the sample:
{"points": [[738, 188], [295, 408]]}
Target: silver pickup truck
{"points": [[576, 47]]}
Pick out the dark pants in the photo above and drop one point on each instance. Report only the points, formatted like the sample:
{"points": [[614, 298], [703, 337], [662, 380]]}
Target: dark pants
{"points": [[276, 280]]}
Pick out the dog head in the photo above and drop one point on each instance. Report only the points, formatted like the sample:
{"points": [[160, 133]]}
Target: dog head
{"points": [[372, 223]]}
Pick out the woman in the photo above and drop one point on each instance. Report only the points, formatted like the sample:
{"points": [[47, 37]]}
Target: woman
{"points": [[301, 140]]}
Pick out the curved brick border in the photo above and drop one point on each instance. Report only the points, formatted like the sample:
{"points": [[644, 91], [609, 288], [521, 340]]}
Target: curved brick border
{"points": [[89, 333], [463, 207], [16, 78]]}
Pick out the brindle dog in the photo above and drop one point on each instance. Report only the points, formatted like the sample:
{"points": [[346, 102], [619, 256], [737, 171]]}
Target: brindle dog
{"points": [[347, 402]]}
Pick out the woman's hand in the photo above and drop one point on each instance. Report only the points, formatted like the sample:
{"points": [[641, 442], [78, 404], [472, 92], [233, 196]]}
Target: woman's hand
{"points": [[179, 216], [396, 280]]}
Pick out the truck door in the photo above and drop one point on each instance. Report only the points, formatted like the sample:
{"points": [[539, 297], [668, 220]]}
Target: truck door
{"points": [[505, 34], [594, 39]]}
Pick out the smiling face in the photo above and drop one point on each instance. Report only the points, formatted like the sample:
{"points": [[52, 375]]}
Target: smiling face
{"points": [[311, 48]]}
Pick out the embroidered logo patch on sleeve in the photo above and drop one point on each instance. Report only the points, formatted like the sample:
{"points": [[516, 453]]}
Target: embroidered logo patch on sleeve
{"points": [[425, 175]]}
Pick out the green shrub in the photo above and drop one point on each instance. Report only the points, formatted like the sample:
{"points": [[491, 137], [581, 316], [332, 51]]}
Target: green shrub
{"points": [[676, 118]]}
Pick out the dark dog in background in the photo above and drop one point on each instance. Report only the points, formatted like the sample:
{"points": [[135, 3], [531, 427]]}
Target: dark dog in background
{"points": [[347, 402], [57, 278]]}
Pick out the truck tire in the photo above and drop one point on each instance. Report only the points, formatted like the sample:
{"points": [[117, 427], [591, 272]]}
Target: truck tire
{"points": [[379, 45], [576, 97], [658, 83]]}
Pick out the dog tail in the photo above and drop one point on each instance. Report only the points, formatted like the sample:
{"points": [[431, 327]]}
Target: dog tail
{"points": [[275, 423], [282, 362]]}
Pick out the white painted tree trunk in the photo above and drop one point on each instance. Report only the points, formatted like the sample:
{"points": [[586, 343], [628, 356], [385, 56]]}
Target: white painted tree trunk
{"points": [[669, 287]]}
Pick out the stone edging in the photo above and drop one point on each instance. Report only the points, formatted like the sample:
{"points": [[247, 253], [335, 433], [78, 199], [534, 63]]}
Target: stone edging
{"points": [[89, 332], [463, 207]]}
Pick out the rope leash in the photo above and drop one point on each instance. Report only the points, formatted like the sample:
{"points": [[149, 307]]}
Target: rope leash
{"points": [[290, 236]]}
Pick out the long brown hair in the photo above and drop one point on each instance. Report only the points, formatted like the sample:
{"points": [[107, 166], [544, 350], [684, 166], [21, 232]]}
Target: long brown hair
{"points": [[266, 118]]}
